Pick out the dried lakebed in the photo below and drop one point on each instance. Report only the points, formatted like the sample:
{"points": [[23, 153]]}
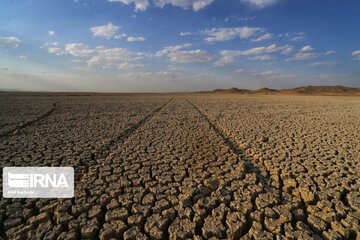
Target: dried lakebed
{"points": [[186, 166]]}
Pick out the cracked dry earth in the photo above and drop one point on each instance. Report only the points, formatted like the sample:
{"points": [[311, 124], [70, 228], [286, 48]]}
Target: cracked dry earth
{"points": [[186, 166]]}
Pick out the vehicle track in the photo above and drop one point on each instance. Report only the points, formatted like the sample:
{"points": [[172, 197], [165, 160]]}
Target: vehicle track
{"points": [[176, 173], [96, 158], [30, 122], [251, 166], [264, 174], [106, 149]]}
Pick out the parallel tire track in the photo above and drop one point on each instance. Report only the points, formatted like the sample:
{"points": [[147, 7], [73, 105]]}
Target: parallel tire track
{"points": [[23, 125], [250, 162], [106, 149], [250, 166]]}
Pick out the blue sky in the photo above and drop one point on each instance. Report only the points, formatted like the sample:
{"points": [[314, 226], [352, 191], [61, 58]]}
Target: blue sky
{"points": [[178, 45]]}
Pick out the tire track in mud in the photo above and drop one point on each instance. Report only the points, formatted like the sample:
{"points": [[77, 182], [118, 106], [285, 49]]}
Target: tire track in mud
{"points": [[106, 149], [95, 158], [206, 186], [257, 167], [250, 166], [261, 172], [39, 118]]}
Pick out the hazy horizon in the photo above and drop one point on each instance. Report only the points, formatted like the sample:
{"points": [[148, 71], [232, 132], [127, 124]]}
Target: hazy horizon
{"points": [[178, 45]]}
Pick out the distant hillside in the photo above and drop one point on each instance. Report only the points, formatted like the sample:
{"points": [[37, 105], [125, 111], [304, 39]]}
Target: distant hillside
{"points": [[307, 90], [232, 90], [328, 90], [265, 91]]}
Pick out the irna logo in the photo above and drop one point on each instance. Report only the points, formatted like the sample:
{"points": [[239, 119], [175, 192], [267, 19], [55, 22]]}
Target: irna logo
{"points": [[38, 182], [19, 180]]}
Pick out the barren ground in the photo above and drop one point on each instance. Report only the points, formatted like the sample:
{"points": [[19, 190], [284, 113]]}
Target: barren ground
{"points": [[186, 166]]}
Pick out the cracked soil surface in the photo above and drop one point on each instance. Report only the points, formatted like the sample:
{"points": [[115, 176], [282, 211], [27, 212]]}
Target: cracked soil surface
{"points": [[195, 166]]}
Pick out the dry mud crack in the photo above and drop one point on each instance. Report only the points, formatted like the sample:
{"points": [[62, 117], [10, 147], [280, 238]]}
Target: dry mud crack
{"points": [[182, 171]]}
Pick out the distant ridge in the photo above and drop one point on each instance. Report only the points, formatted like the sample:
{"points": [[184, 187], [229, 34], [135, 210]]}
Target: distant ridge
{"points": [[306, 90], [337, 90], [266, 91], [232, 90]]}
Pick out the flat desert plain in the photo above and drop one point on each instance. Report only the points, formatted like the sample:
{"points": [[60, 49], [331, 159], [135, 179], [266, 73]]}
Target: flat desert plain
{"points": [[186, 166]]}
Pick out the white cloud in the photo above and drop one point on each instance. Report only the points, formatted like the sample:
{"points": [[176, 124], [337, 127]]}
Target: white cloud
{"points": [[176, 54], [356, 55], [126, 65], [307, 48], [9, 42], [200, 4], [321, 64], [260, 3], [185, 34], [190, 56], [253, 51], [169, 49], [263, 58], [107, 57], [330, 52], [293, 36], [140, 5], [224, 60], [228, 56], [135, 39], [22, 57], [306, 54], [49, 44], [287, 50], [113, 56], [51, 33], [108, 31], [55, 50], [302, 56], [263, 37], [233, 18], [120, 36], [225, 34], [196, 5], [79, 50]]}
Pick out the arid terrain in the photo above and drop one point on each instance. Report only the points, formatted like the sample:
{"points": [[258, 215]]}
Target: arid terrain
{"points": [[186, 166]]}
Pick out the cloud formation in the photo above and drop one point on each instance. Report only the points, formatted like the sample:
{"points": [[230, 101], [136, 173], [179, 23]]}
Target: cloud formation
{"points": [[108, 31], [9, 42], [55, 50], [260, 3], [190, 56], [135, 39], [263, 37], [323, 64], [169, 49], [100, 55], [142, 5], [225, 34], [356, 55], [293, 36], [263, 58], [302, 56], [228, 56], [176, 54], [185, 34], [307, 48]]}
